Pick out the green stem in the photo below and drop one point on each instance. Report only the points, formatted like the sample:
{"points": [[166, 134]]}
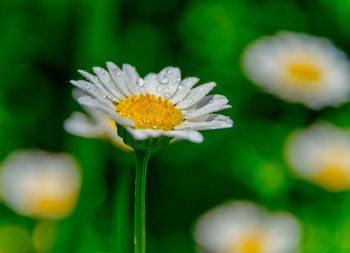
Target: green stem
{"points": [[140, 201]]}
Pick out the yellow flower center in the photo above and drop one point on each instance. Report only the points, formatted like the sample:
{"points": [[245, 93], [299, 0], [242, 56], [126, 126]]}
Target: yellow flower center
{"points": [[333, 179], [149, 112], [249, 244], [333, 174], [304, 72], [55, 206]]}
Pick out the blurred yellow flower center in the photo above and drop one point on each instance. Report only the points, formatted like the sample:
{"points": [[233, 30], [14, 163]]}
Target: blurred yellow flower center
{"points": [[333, 178], [304, 72], [250, 244], [56, 206], [147, 111], [333, 174]]}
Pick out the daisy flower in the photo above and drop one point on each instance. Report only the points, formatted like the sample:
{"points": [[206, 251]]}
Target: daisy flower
{"points": [[157, 105], [40, 184], [321, 154], [94, 125], [149, 112], [299, 68], [243, 227]]}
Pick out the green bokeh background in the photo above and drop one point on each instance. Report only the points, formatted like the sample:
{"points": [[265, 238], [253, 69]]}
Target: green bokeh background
{"points": [[44, 42]]}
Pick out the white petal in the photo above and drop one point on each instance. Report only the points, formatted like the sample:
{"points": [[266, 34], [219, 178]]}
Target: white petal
{"points": [[208, 104], [142, 134], [165, 83], [212, 121], [183, 89], [116, 75], [190, 135], [87, 87], [195, 95], [93, 79], [79, 124], [132, 78], [77, 93], [94, 102], [106, 108], [106, 80]]}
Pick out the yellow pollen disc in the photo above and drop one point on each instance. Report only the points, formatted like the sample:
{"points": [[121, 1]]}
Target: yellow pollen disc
{"points": [[149, 112], [56, 206], [304, 72], [249, 244], [333, 179]]}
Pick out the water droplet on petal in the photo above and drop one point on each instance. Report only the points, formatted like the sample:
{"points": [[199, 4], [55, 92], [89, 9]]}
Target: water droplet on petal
{"points": [[159, 88], [163, 79], [140, 82], [169, 71], [211, 101]]}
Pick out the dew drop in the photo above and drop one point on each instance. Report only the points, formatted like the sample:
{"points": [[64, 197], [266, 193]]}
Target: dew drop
{"points": [[169, 71], [163, 79], [211, 101], [159, 88], [140, 82], [88, 86]]}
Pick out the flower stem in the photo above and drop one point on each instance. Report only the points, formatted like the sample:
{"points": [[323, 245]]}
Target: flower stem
{"points": [[140, 204]]}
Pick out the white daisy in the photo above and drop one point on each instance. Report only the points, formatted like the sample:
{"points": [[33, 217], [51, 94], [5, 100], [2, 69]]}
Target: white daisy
{"points": [[299, 68], [40, 184], [321, 154], [243, 227], [94, 125], [158, 105]]}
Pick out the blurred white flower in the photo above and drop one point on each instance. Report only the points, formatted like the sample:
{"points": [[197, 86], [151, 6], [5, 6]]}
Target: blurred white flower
{"points": [[321, 154], [157, 105], [243, 227], [299, 68], [94, 125], [40, 184]]}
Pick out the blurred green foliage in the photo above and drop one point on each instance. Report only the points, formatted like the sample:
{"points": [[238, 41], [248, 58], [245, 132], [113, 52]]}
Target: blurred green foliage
{"points": [[42, 44]]}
